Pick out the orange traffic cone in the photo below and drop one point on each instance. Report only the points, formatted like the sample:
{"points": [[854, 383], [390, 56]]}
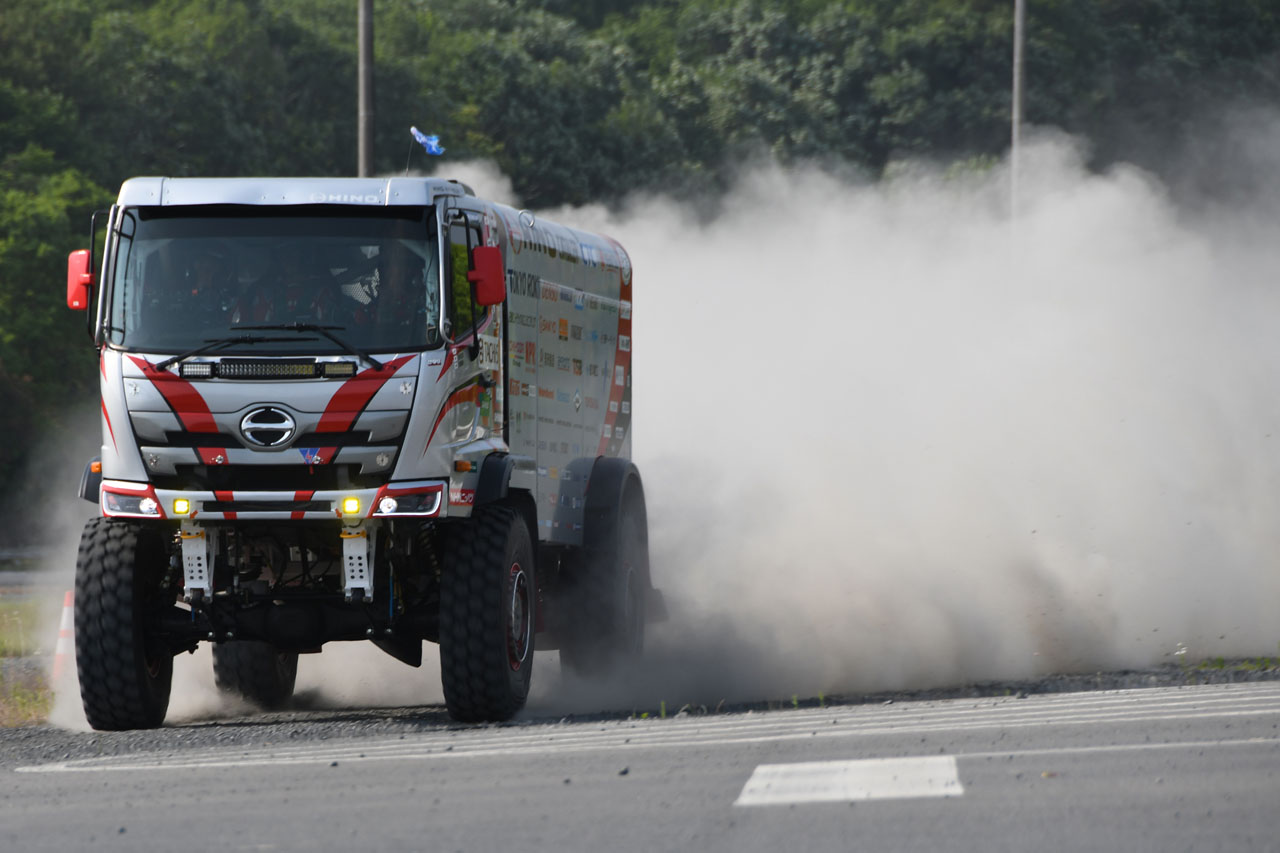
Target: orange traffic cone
{"points": [[65, 646]]}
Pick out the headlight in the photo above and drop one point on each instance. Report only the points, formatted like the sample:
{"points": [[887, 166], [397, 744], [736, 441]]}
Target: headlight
{"points": [[420, 503], [117, 504]]}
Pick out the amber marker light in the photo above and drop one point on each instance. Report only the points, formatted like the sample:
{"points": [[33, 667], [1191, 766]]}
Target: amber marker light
{"points": [[181, 506], [350, 506]]}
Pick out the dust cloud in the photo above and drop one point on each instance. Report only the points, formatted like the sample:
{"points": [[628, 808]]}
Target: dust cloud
{"points": [[892, 439]]}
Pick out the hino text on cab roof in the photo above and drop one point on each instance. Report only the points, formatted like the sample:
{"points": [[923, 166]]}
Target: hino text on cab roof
{"points": [[354, 409]]}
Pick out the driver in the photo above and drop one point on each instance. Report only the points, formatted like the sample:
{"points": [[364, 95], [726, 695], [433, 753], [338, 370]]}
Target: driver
{"points": [[294, 289], [201, 288], [399, 294]]}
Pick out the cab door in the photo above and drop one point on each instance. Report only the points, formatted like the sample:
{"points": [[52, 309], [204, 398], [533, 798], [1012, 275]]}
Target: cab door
{"points": [[475, 331]]}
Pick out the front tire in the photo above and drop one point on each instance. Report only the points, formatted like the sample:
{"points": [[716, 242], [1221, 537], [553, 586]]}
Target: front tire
{"points": [[488, 609], [255, 671], [126, 672]]}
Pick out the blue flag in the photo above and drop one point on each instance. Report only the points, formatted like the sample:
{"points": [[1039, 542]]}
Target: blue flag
{"points": [[431, 143]]}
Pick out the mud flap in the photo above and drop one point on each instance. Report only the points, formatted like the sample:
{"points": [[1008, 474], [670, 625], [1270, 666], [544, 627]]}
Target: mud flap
{"points": [[655, 606], [404, 649]]}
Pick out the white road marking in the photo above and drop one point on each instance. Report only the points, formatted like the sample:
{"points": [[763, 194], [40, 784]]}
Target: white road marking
{"points": [[846, 722], [849, 781]]}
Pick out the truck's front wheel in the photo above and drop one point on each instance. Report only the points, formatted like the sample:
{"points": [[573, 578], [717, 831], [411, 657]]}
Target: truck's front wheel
{"points": [[256, 671], [488, 598], [125, 672]]}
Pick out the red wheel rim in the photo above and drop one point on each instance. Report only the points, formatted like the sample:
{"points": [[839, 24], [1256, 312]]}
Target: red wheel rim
{"points": [[519, 618]]}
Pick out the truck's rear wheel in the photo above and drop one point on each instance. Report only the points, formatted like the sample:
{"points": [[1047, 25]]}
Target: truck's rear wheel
{"points": [[488, 600], [255, 671], [606, 594], [126, 673]]}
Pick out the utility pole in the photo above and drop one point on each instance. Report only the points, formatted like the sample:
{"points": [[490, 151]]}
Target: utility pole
{"points": [[365, 73], [1015, 148]]}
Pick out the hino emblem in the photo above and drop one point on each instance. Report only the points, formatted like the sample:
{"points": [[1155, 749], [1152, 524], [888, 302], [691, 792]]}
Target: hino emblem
{"points": [[268, 427]]}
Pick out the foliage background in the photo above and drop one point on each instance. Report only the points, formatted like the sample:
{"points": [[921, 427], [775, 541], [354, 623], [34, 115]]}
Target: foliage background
{"points": [[575, 100]]}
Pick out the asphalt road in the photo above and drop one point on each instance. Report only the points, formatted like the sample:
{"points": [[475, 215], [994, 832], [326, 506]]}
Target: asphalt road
{"points": [[1163, 769]]}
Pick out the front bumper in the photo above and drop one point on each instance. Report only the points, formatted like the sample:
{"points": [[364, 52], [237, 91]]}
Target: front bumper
{"points": [[125, 499]]}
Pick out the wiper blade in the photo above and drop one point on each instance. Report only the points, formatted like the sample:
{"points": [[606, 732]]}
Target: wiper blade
{"points": [[215, 344], [320, 330]]}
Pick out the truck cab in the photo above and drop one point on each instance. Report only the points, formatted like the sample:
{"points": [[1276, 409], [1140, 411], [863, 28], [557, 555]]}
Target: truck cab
{"points": [[354, 409]]}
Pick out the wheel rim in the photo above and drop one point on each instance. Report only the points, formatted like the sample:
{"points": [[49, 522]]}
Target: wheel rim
{"points": [[519, 618]]}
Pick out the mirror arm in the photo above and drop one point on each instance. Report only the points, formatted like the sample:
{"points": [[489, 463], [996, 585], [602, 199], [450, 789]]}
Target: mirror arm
{"points": [[90, 315], [474, 349]]}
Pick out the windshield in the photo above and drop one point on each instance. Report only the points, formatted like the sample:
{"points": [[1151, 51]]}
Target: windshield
{"points": [[183, 276]]}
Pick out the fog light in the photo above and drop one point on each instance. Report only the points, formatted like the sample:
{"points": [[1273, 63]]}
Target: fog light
{"points": [[387, 505], [181, 506], [350, 506]]}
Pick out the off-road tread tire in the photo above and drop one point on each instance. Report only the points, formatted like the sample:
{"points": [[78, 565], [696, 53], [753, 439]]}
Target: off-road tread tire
{"points": [[111, 609], [255, 671], [479, 684], [601, 638]]}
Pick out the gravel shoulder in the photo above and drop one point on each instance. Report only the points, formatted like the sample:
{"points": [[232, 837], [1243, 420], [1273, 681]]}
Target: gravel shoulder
{"points": [[44, 743]]}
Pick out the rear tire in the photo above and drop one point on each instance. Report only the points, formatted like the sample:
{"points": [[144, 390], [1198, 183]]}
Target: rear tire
{"points": [[488, 609], [126, 672], [606, 595], [255, 671]]}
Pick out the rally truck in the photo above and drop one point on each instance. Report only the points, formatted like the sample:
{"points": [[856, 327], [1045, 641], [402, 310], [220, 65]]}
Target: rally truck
{"points": [[354, 409]]}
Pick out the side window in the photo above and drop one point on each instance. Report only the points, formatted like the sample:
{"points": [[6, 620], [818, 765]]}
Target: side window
{"points": [[461, 238]]}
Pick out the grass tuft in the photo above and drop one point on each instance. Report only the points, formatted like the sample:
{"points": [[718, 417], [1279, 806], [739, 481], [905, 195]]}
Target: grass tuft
{"points": [[24, 704], [18, 628]]}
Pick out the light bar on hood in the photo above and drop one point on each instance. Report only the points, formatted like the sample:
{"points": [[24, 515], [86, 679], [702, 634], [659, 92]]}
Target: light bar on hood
{"points": [[196, 370], [338, 369]]}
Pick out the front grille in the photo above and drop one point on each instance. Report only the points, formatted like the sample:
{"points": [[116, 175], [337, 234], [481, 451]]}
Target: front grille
{"points": [[353, 438], [200, 439], [268, 506], [268, 478]]}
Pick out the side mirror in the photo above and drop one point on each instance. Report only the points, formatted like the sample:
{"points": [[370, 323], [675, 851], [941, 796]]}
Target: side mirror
{"points": [[486, 273], [79, 280]]}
